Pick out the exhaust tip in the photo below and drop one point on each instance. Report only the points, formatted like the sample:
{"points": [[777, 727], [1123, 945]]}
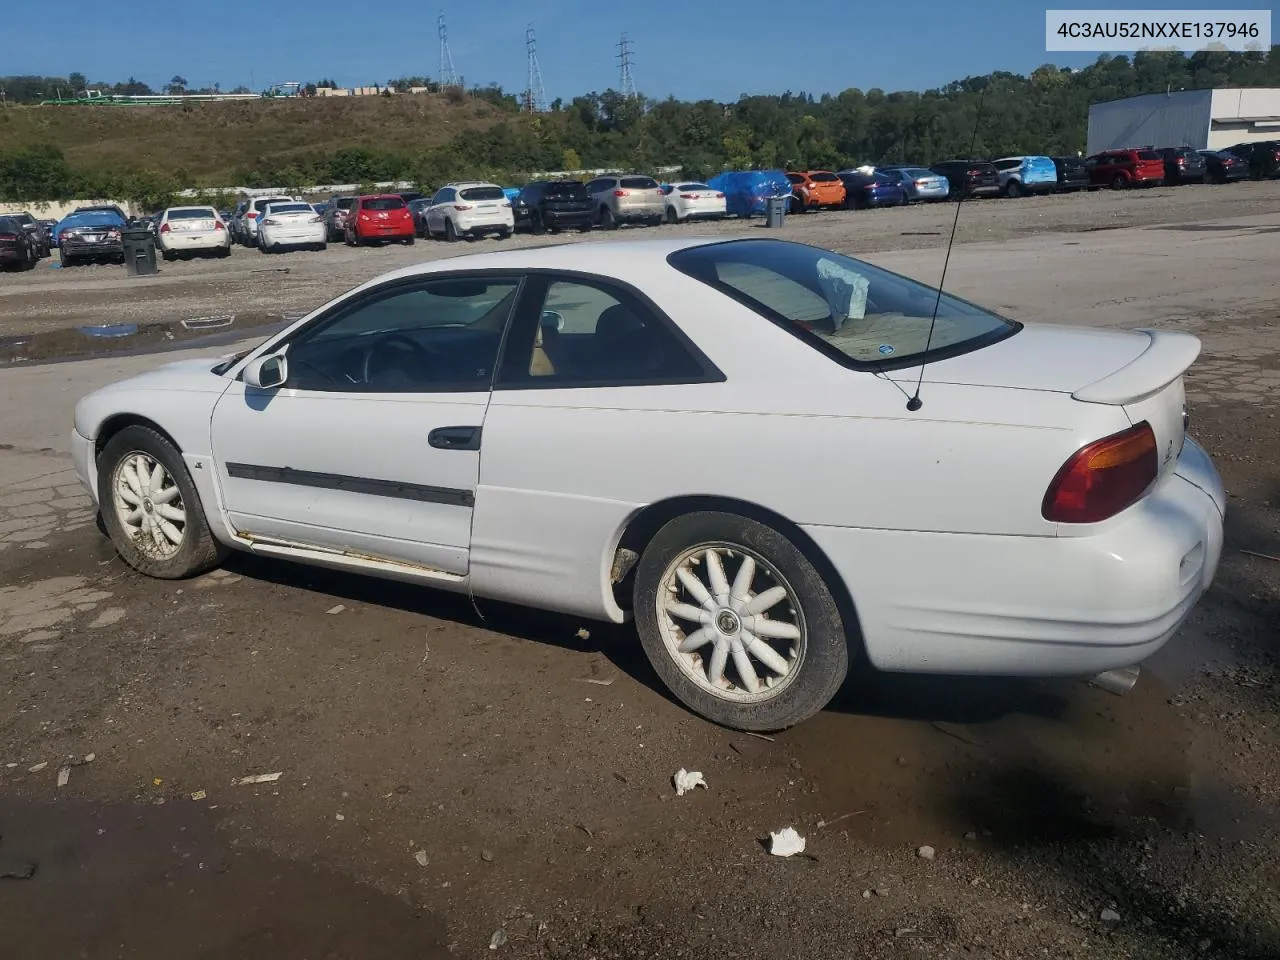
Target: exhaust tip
{"points": [[1119, 681]]}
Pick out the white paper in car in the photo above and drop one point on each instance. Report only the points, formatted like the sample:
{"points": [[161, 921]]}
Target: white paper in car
{"points": [[845, 291]]}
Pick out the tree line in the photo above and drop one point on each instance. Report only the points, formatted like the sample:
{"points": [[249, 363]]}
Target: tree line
{"points": [[996, 114]]}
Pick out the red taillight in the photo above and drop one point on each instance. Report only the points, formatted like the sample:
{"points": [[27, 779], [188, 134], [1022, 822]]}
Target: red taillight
{"points": [[252, 215], [462, 207], [1103, 478], [688, 196], [8, 236], [316, 220], [217, 225], [270, 223], [164, 228], [719, 196], [364, 216], [621, 193]]}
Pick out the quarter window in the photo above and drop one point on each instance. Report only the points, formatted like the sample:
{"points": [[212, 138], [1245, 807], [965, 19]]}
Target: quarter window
{"points": [[592, 334]]}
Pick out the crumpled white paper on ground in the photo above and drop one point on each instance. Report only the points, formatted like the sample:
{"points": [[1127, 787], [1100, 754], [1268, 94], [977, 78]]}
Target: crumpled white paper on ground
{"points": [[786, 842], [686, 780]]}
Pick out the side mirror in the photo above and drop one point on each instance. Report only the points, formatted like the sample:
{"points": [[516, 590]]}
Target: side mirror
{"points": [[552, 321], [267, 373]]}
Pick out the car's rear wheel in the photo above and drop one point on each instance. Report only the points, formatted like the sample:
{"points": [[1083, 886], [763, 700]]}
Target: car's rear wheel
{"points": [[607, 219], [151, 509], [409, 241], [738, 623], [450, 234], [1118, 182], [672, 216], [1012, 189]]}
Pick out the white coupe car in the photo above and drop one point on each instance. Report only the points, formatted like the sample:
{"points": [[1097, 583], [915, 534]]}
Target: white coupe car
{"points": [[694, 201], [721, 439]]}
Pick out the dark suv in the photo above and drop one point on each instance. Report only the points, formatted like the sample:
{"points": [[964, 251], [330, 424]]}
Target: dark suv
{"points": [[969, 178], [555, 205], [1263, 157], [1182, 165], [1073, 174]]}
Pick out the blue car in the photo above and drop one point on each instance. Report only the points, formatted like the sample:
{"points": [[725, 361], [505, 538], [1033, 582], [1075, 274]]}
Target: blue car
{"points": [[920, 183], [865, 190], [1020, 176]]}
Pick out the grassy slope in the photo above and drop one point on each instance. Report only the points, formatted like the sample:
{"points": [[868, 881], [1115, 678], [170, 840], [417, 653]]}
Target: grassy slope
{"points": [[211, 140]]}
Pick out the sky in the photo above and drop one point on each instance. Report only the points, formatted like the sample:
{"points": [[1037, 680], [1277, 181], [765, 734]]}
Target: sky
{"points": [[749, 46]]}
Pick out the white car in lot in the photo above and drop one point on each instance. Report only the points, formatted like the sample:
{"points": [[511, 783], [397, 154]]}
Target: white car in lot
{"points": [[188, 230], [720, 439], [470, 209], [694, 201], [252, 214], [291, 224]]}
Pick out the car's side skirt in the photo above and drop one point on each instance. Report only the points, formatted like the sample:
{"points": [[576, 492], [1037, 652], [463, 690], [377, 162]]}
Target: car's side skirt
{"points": [[396, 489]]}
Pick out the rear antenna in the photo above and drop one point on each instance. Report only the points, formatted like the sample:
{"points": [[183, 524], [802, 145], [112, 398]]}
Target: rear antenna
{"points": [[914, 402]]}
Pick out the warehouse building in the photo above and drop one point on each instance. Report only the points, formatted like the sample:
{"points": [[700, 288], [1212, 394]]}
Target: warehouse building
{"points": [[1201, 119]]}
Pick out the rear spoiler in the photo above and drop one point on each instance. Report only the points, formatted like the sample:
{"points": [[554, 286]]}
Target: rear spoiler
{"points": [[1166, 358]]}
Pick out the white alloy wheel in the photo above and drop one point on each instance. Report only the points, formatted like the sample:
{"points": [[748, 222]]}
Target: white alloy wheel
{"points": [[731, 622], [149, 504]]}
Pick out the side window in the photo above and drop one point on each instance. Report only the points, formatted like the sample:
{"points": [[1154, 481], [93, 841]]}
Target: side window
{"points": [[595, 334], [428, 336]]}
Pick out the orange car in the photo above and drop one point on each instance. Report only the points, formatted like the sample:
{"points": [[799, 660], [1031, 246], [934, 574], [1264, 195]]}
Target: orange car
{"points": [[815, 190]]}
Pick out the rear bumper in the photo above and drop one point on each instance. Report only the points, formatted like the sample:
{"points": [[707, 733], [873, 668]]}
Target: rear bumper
{"points": [[284, 236], [982, 190], [477, 229], [563, 218], [1037, 606], [90, 251], [199, 241]]}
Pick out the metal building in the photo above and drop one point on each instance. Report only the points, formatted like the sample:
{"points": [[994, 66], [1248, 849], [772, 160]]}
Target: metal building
{"points": [[1201, 119]]}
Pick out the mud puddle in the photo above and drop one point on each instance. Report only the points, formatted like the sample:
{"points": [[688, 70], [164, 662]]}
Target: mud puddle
{"points": [[123, 339], [157, 880]]}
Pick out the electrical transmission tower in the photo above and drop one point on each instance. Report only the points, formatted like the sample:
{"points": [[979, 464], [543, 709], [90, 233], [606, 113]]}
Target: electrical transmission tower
{"points": [[448, 75], [535, 97], [626, 82]]}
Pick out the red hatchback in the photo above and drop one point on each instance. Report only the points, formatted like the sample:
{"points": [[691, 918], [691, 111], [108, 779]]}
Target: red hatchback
{"points": [[1126, 168], [377, 218]]}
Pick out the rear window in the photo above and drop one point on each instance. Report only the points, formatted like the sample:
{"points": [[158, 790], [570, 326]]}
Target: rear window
{"points": [[638, 183], [822, 177], [384, 203], [192, 213], [23, 218], [290, 208], [848, 309], [566, 191], [483, 193], [693, 186], [918, 172], [1149, 155], [265, 202]]}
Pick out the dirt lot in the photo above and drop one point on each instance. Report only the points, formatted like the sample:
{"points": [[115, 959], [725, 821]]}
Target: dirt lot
{"points": [[447, 772], [256, 288]]}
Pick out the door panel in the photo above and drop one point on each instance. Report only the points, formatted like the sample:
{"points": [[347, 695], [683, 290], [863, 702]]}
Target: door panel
{"points": [[372, 445]]}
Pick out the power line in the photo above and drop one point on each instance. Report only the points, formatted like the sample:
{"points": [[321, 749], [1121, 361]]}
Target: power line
{"points": [[626, 82], [448, 75], [535, 98]]}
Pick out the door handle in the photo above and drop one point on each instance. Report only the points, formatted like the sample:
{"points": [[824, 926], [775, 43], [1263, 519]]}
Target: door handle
{"points": [[455, 438]]}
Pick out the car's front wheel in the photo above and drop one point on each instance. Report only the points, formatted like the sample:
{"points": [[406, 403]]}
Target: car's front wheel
{"points": [[738, 622], [151, 509]]}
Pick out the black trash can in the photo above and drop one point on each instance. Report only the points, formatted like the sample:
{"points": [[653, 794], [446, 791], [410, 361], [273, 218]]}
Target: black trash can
{"points": [[139, 251], [776, 211]]}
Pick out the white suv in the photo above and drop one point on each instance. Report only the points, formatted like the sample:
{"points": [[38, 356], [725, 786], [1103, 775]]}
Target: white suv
{"points": [[469, 209], [253, 213]]}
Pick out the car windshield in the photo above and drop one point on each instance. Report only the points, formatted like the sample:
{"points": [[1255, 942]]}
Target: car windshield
{"points": [[384, 203], [191, 213], [290, 208], [638, 183], [92, 220], [845, 307], [566, 191], [483, 193]]}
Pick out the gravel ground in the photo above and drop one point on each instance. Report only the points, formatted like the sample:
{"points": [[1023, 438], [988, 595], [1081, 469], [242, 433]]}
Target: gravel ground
{"points": [[257, 288], [448, 773]]}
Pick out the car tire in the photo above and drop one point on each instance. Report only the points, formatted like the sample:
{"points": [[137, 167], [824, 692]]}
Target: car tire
{"points": [[224, 252], [409, 241], [672, 216], [818, 662], [168, 255], [607, 220], [63, 259], [450, 234], [1118, 182], [505, 234], [536, 225], [1012, 190], [197, 549], [587, 229]]}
